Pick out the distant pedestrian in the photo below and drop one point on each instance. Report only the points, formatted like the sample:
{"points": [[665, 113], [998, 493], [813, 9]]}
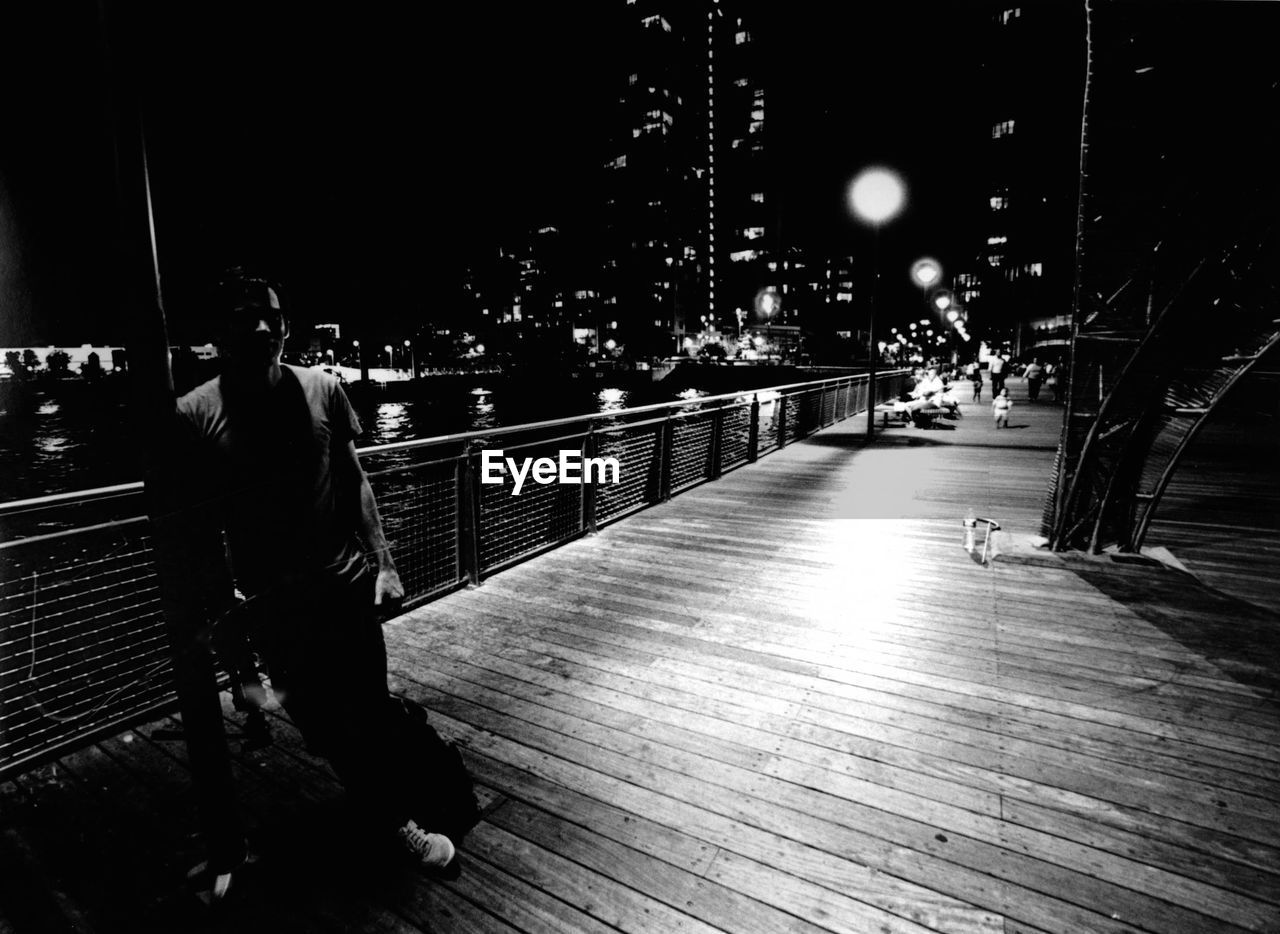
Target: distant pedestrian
{"points": [[997, 368], [1000, 407], [1034, 375], [975, 376], [1052, 380]]}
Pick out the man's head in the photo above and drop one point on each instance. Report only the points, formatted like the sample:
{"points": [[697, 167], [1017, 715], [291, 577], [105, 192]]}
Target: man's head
{"points": [[253, 327]]}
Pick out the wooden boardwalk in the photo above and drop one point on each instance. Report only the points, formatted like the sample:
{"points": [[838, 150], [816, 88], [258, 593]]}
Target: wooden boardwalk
{"points": [[787, 701]]}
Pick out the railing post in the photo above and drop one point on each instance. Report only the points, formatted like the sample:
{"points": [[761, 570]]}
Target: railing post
{"points": [[717, 437], [841, 402], [588, 489], [782, 420], [665, 459], [753, 430], [469, 515]]}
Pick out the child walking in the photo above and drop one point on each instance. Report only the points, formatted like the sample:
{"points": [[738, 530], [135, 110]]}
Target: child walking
{"points": [[976, 376], [1000, 407]]}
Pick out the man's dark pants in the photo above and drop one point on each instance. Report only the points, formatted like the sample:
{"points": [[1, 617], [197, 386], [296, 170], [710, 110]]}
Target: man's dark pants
{"points": [[323, 646]]}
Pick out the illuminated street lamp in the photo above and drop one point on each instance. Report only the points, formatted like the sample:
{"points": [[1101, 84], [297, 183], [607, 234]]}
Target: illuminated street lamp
{"points": [[942, 301], [926, 272], [876, 196], [953, 316], [388, 350], [413, 360]]}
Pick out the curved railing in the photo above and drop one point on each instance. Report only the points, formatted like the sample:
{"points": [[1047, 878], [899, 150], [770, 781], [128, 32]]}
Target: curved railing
{"points": [[83, 650]]}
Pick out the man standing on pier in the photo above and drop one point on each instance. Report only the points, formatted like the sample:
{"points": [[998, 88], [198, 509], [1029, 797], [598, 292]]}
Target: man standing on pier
{"points": [[270, 456]]}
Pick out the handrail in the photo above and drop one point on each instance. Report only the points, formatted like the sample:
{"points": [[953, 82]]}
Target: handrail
{"points": [[136, 486], [640, 409], [81, 496]]}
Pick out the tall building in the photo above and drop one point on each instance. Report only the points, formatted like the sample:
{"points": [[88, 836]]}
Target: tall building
{"points": [[1022, 273], [692, 233], [652, 250]]}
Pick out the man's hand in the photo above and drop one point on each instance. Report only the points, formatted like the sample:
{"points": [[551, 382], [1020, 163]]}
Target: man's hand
{"points": [[387, 588]]}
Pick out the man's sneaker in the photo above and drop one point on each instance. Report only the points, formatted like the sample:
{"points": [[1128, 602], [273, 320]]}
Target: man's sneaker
{"points": [[433, 849]]}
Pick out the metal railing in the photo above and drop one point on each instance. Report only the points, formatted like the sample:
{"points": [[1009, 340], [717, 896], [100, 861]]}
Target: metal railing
{"points": [[83, 647]]}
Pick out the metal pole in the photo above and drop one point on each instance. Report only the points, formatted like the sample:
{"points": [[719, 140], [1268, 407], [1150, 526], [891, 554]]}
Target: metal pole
{"points": [[187, 559], [871, 333]]}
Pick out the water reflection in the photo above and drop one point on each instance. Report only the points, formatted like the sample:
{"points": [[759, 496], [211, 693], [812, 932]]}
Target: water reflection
{"points": [[612, 399], [79, 439], [391, 422]]}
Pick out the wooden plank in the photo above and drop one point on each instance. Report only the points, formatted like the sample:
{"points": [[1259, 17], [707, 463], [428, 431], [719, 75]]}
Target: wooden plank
{"points": [[781, 854], [1065, 733], [855, 793], [775, 805]]}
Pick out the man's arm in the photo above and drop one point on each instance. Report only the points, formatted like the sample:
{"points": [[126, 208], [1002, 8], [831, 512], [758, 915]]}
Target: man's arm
{"points": [[388, 586]]}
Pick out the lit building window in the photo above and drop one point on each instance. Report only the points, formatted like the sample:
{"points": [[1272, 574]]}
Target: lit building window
{"points": [[753, 233], [995, 259], [744, 256], [633, 79], [742, 37], [992, 241], [1004, 128], [844, 296], [999, 204], [619, 162], [1005, 17], [757, 197], [1035, 269]]}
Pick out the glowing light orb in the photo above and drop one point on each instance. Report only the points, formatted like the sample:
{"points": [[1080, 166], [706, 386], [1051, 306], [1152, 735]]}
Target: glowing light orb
{"points": [[926, 271], [877, 195]]}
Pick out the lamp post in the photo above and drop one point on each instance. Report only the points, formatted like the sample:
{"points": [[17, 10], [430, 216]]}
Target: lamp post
{"points": [[926, 272], [876, 196], [413, 363], [387, 348], [364, 368]]}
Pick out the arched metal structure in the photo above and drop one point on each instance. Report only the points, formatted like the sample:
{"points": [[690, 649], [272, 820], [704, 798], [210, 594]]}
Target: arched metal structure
{"points": [[1178, 262], [1210, 331]]}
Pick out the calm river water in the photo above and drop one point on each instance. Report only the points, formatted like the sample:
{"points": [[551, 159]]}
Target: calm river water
{"points": [[73, 436]]}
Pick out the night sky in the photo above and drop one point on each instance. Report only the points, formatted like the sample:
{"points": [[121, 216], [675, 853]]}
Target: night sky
{"points": [[362, 155]]}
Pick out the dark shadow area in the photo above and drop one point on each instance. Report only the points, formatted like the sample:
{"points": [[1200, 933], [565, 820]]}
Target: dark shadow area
{"points": [[1239, 638], [910, 437]]}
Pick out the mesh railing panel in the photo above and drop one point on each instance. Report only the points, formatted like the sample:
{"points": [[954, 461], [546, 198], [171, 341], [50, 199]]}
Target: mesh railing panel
{"points": [[810, 411], [82, 640], [541, 514], [792, 429], [828, 413], [770, 412], [735, 437], [419, 509], [691, 450], [639, 451]]}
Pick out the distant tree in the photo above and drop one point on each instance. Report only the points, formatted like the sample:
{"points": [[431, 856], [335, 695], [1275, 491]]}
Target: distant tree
{"points": [[58, 363], [92, 366], [13, 360], [30, 361]]}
